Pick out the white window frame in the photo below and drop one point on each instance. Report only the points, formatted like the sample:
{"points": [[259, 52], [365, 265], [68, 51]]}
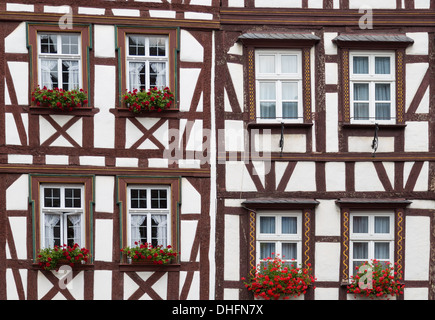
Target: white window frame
{"points": [[371, 237], [278, 78], [148, 212], [63, 212], [279, 238], [146, 59], [60, 57], [371, 79]]}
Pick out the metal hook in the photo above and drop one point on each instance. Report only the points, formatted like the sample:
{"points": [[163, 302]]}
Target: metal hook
{"points": [[375, 141], [281, 141]]}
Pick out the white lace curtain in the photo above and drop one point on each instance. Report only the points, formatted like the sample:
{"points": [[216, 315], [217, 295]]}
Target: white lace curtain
{"points": [[50, 74], [51, 220], [73, 74], [76, 226], [137, 72], [160, 223]]}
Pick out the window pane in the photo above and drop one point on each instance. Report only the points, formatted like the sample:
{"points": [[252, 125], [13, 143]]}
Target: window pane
{"points": [[382, 92], [266, 250], [289, 225], [49, 74], [73, 230], [361, 91], [70, 44], [157, 47], [137, 75], [360, 224], [382, 65], [73, 198], [290, 110], [289, 251], [267, 91], [138, 229], [159, 199], [136, 46], [382, 224], [360, 250], [48, 43], [383, 111], [52, 230], [267, 64], [290, 91], [360, 65], [267, 110], [70, 74], [158, 74], [382, 250], [289, 64], [138, 198], [267, 225], [51, 197], [361, 111], [159, 227]]}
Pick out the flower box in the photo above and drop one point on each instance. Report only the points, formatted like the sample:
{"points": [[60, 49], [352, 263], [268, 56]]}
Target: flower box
{"points": [[147, 254], [52, 258], [151, 100], [59, 99], [275, 279]]}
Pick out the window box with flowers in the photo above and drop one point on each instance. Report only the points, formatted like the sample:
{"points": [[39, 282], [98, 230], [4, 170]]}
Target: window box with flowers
{"points": [[376, 280], [151, 100], [60, 100], [53, 258], [275, 279], [146, 253]]}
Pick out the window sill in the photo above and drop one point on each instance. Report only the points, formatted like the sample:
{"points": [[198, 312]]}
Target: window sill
{"points": [[84, 111], [261, 125], [149, 267], [392, 126], [125, 113], [76, 267]]}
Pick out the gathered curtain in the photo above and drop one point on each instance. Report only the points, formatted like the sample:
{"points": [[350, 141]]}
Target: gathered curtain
{"points": [[50, 221]]}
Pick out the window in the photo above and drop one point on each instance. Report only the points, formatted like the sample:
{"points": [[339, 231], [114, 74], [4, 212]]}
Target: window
{"points": [[62, 214], [147, 61], [149, 215], [280, 234], [372, 87], [371, 237], [59, 60], [279, 85]]}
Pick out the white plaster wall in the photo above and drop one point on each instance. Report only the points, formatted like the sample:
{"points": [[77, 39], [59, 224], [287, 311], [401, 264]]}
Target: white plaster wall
{"points": [[373, 4], [416, 293], [327, 261], [420, 45], [160, 287], [15, 42], [327, 218], [417, 136], [103, 239], [236, 3], [330, 47], [195, 285], [187, 236], [18, 7], [294, 143], [20, 77], [279, 3], [414, 75], [417, 248], [234, 136], [422, 4], [127, 162], [104, 193], [195, 138], [92, 161], [126, 12], [91, 11], [12, 135], [231, 294], [75, 287], [232, 248], [243, 181], [56, 159], [366, 177], [190, 198], [335, 176], [331, 73], [422, 183], [188, 80], [303, 177], [20, 158], [326, 294], [11, 287], [237, 77], [19, 233], [315, 4], [102, 285], [331, 101], [104, 41], [104, 99], [190, 49], [170, 14], [17, 194], [364, 144]]}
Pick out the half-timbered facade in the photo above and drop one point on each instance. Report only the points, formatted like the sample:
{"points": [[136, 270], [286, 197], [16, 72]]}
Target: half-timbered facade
{"points": [[299, 127]]}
